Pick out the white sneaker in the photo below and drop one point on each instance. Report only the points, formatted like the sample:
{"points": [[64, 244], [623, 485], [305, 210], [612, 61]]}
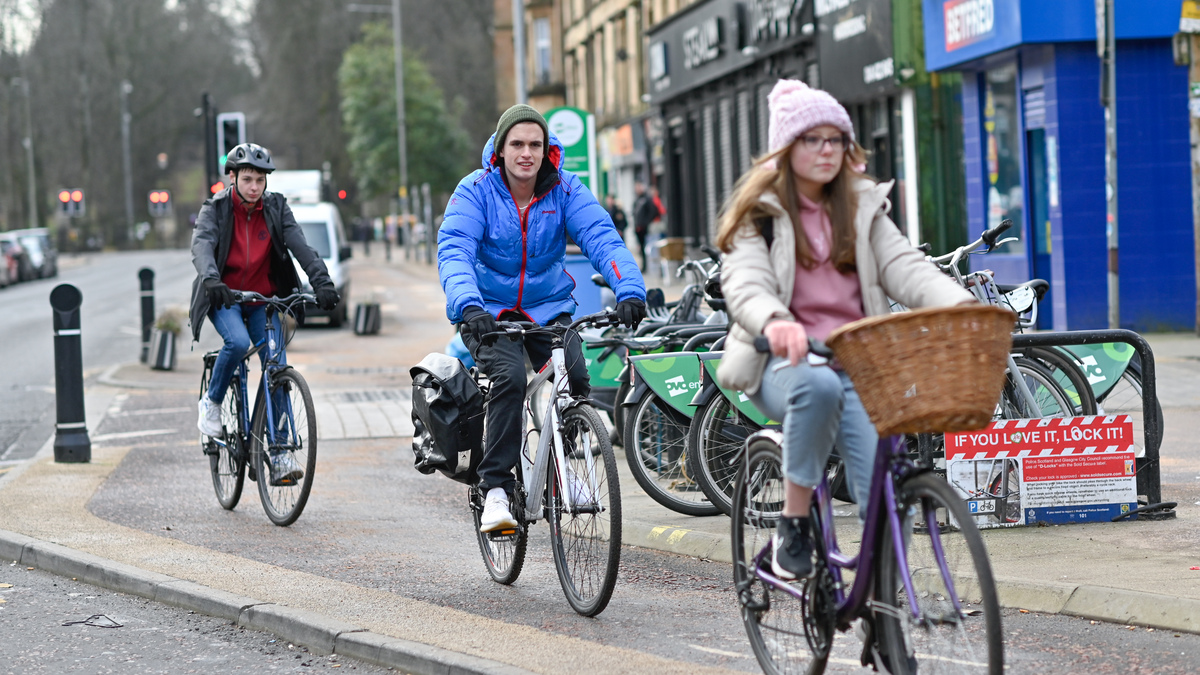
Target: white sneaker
{"points": [[209, 423], [496, 515]]}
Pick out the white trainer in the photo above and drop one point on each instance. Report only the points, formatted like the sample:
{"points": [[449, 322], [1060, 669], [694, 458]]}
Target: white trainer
{"points": [[496, 515], [210, 417]]}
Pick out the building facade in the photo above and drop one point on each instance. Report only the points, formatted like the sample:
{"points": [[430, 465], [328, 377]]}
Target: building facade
{"points": [[1033, 135]]}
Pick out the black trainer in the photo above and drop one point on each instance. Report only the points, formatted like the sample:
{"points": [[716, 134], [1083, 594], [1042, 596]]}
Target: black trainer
{"points": [[791, 557]]}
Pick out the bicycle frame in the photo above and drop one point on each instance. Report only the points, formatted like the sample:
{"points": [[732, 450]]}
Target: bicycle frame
{"points": [[891, 462], [537, 472]]}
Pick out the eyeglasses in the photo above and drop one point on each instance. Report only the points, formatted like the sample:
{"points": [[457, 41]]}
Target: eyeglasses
{"points": [[816, 142]]}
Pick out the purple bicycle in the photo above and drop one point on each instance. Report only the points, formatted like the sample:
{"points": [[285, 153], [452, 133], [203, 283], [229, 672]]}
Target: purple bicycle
{"points": [[922, 589]]}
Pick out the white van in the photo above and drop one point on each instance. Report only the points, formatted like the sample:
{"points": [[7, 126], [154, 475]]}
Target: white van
{"points": [[323, 229]]}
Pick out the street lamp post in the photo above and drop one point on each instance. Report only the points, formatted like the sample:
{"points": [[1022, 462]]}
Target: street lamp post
{"points": [[28, 143], [518, 28], [126, 90]]}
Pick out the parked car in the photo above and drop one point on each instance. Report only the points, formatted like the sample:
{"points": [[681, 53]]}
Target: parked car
{"points": [[20, 266], [42, 255], [8, 268], [323, 229]]}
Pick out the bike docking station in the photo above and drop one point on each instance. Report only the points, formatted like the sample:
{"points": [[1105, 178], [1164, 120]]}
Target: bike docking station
{"points": [[1058, 470]]}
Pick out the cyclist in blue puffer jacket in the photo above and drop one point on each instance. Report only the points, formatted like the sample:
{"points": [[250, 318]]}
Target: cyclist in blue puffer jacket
{"points": [[501, 250]]}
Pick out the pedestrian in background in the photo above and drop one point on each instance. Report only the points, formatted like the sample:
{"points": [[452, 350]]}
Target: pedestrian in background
{"points": [[646, 209], [617, 213]]}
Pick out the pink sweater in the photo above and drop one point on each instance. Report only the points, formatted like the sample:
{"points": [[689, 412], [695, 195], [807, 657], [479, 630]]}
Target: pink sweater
{"points": [[823, 298]]}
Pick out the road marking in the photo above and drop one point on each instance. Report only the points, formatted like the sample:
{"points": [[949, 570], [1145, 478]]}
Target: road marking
{"points": [[676, 536], [657, 532], [133, 434], [152, 411], [720, 652]]}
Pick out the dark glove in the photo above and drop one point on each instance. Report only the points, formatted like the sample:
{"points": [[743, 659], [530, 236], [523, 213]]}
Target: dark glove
{"points": [[327, 297], [218, 293], [630, 312], [478, 321]]}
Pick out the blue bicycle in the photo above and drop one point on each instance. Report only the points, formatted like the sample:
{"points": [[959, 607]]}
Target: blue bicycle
{"points": [[248, 443]]}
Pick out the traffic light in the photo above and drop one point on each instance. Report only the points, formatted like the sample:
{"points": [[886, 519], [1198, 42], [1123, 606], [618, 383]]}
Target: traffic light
{"points": [[160, 203], [231, 132], [71, 203]]}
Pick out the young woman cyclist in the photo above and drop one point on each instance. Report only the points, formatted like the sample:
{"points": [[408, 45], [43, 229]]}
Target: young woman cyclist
{"points": [[831, 256]]}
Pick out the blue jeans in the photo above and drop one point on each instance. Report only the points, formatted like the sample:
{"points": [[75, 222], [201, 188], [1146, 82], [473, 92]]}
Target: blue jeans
{"points": [[820, 410], [242, 327]]}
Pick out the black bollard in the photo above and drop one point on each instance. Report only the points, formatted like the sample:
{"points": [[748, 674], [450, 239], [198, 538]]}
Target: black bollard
{"points": [[146, 277], [71, 442]]}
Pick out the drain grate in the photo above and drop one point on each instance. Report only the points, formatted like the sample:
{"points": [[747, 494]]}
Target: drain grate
{"points": [[376, 395], [368, 370]]}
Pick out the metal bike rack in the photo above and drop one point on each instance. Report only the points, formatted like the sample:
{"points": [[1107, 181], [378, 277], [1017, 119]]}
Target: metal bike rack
{"points": [[1148, 477]]}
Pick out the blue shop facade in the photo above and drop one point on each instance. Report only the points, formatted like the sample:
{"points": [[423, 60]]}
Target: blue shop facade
{"points": [[1033, 132]]}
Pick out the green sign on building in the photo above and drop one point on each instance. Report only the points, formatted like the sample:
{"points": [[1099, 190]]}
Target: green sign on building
{"points": [[576, 130]]}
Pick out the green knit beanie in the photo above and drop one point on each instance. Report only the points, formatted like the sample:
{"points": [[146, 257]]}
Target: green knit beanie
{"points": [[515, 115]]}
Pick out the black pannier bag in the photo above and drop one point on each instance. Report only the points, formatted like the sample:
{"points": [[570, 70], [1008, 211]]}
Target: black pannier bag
{"points": [[447, 415]]}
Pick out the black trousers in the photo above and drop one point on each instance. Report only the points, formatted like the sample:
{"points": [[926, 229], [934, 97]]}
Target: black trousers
{"points": [[503, 361]]}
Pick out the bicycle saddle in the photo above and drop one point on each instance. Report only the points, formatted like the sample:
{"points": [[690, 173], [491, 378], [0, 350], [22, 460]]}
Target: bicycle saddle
{"points": [[1039, 286]]}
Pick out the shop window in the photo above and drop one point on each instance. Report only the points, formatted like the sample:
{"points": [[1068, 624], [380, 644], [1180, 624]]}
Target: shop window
{"points": [[725, 133], [710, 170], [1002, 154], [541, 50]]}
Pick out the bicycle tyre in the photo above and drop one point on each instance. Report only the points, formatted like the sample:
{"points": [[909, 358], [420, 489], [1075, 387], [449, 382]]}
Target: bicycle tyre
{"points": [[618, 413], [1062, 367], [1051, 398], [586, 546], [226, 460], [972, 641], [503, 556], [774, 620], [718, 435], [1125, 397], [656, 442], [284, 503]]}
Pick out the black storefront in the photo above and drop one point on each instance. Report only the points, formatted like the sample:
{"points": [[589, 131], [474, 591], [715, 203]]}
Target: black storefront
{"points": [[711, 67]]}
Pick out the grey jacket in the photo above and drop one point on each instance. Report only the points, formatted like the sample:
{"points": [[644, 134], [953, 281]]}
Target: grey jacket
{"points": [[758, 283], [210, 249]]}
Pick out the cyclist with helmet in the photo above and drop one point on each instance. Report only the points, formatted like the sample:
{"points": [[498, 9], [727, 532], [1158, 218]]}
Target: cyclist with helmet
{"points": [[501, 250], [242, 241]]}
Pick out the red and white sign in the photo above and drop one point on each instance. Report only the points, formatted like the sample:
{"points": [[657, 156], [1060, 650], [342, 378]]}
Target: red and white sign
{"points": [[1057, 470], [967, 22]]}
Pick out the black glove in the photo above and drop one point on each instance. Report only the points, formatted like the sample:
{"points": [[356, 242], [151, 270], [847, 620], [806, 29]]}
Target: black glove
{"points": [[327, 297], [219, 294], [478, 321], [630, 312]]}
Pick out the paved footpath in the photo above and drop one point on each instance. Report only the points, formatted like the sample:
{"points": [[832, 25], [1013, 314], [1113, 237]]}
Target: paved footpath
{"points": [[1131, 573]]}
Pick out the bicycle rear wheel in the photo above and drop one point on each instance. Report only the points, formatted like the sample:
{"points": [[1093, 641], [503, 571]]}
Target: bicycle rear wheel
{"points": [[656, 446], [295, 437], [943, 637], [226, 460], [774, 619], [1051, 398], [585, 514], [717, 435]]}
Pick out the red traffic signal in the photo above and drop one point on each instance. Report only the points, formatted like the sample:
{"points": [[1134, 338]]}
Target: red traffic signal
{"points": [[71, 204], [64, 196], [216, 187], [160, 203], [77, 195], [341, 194]]}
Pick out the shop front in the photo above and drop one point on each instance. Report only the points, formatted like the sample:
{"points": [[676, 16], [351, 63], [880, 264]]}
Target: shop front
{"points": [[711, 67], [1033, 136]]}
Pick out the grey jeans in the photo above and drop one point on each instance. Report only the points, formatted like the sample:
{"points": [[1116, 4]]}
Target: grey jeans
{"points": [[820, 411]]}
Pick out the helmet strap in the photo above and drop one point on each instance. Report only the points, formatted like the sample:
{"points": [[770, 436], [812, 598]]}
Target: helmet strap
{"points": [[239, 192]]}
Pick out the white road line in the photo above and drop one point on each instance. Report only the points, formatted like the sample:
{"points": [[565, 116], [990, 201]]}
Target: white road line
{"points": [[153, 411], [133, 434], [720, 652]]}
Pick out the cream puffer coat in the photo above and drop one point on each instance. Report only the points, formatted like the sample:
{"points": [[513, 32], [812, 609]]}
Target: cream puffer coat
{"points": [[758, 283]]}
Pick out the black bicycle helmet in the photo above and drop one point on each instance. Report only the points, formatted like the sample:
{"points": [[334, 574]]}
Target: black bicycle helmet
{"points": [[249, 155]]}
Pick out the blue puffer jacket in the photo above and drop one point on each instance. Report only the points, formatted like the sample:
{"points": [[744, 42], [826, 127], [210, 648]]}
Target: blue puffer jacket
{"points": [[487, 257]]}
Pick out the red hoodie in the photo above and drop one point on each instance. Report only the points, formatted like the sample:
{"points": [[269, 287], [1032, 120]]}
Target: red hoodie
{"points": [[248, 267]]}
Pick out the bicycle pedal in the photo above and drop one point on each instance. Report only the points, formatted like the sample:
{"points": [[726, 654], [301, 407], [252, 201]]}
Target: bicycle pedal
{"points": [[502, 535]]}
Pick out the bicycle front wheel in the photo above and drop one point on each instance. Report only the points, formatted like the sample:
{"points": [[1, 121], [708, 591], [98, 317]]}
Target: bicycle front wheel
{"points": [[718, 434], [1051, 399], [774, 619], [286, 464], [226, 458], [656, 445], [956, 628], [585, 514]]}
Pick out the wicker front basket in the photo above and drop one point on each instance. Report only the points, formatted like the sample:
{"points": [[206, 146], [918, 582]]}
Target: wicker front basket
{"points": [[928, 370]]}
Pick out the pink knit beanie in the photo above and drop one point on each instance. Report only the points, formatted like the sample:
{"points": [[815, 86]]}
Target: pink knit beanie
{"points": [[796, 108]]}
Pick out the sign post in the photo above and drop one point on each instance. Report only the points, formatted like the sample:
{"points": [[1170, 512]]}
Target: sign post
{"points": [[576, 130]]}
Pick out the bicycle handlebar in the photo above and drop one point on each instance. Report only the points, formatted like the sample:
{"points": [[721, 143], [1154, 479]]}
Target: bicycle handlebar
{"points": [[763, 346], [285, 302], [515, 329]]}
